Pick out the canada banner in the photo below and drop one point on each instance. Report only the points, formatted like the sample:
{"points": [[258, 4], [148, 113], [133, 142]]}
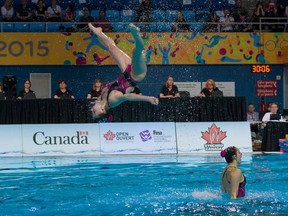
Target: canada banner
{"points": [[207, 137], [56, 139]]}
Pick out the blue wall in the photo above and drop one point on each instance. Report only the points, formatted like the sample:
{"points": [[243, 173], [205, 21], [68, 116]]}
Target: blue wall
{"points": [[80, 78]]}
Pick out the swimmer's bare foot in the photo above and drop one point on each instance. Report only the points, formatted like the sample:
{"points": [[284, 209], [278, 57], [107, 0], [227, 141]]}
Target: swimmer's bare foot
{"points": [[154, 101], [95, 30], [134, 29]]}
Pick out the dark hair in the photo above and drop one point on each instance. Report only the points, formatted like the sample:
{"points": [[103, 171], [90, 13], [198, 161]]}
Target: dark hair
{"points": [[250, 104], [271, 103], [228, 153], [62, 80], [259, 3], [27, 80], [1, 86]]}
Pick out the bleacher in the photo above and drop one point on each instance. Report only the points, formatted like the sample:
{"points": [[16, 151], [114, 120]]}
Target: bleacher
{"points": [[123, 11]]}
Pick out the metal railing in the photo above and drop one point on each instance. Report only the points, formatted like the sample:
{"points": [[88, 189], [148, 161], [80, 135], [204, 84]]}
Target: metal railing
{"points": [[261, 26]]}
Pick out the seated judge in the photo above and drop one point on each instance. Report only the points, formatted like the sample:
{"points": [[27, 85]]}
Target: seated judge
{"points": [[210, 89], [63, 92], [169, 90], [273, 109], [26, 90]]}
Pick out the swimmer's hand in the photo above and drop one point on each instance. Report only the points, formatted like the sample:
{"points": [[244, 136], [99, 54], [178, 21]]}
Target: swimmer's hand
{"points": [[154, 101]]}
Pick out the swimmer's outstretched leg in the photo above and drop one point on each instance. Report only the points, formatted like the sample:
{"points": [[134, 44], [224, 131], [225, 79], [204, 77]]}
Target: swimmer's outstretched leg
{"points": [[139, 68], [121, 58]]}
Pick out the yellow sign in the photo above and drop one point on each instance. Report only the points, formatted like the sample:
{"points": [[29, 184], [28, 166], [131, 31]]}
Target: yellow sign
{"points": [[160, 48]]}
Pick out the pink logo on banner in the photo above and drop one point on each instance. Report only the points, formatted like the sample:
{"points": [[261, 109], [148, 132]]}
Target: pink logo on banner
{"points": [[213, 138], [109, 135]]}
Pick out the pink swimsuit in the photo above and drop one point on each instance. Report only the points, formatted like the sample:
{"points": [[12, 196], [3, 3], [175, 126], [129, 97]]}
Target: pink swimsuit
{"points": [[123, 82]]}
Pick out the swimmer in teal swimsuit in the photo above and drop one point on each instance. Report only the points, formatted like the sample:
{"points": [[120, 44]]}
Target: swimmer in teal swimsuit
{"points": [[232, 180], [133, 71]]}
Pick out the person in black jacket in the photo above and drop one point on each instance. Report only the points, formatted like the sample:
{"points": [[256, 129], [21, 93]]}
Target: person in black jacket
{"points": [[210, 90], [169, 90]]}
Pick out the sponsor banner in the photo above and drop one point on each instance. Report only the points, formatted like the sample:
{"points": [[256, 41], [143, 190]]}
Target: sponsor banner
{"points": [[209, 137], [160, 48], [138, 138], [61, 139], [11, 140]]}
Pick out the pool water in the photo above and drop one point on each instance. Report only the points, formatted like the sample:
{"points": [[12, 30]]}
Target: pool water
{"points": [[140, 185]]}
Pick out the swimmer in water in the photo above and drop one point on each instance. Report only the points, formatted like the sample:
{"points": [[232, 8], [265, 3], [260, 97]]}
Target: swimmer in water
{"points": [[133, 71], [232, 180]]}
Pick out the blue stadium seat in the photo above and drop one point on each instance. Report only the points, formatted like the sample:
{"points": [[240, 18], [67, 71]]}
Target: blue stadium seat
{"points": [[113, 15], [159, 16], [53, 27], [188, 5], [120, 27], [164, 27], [171, 15], [37, 27], [218, 4], [189, 15], [174, 5], [203, 5], [129, 4], [8, 27], [21, 27], [95, 13], [158, 4], [127, 15]]}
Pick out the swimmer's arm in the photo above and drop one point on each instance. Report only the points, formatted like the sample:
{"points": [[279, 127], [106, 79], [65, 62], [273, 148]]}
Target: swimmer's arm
{"points": [[236, 176]]}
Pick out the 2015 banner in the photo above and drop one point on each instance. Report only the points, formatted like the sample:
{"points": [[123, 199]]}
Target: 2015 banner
{"points": [[160, 48]]}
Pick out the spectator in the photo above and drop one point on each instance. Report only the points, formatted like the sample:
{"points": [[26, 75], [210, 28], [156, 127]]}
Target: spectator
{"points": [[281, 10], [245, 27], [180, 24], [226, 21], [26, 91], [169, 90], [238, 9], [273, 109], [95, 92], [85, 18], [210, 89], [102, 22], [2, 93], [253, 118], [7, 11], [24, 12], [40, 12], [257, 13], [213, 18], [251, 114], [144, 13], [54, 12], [69, 15], [63, 92], [271, 9]]}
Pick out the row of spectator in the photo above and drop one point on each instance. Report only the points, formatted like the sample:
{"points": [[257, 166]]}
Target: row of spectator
{"points": [[145, 14], [168, 90]]}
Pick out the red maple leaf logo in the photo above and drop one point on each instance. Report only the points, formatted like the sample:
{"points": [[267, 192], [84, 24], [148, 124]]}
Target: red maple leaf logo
{"points": [[213, 135], [109, 135]]}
